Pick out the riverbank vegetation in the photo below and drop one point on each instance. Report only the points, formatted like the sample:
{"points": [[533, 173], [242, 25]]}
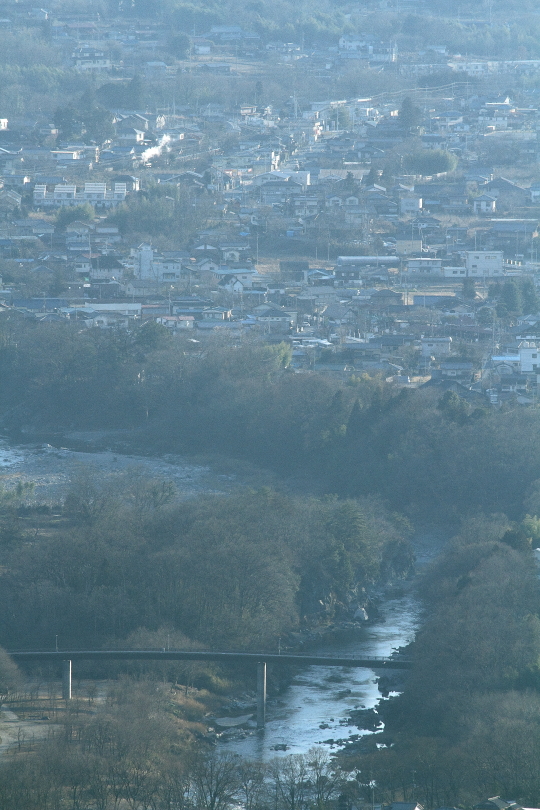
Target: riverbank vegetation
{"points": [[468, 722], [128, 563], [137, 750], [430, 455], [234, 572]]}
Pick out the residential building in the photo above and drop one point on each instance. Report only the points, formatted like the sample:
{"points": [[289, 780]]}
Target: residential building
{"points": [[484, 264]]}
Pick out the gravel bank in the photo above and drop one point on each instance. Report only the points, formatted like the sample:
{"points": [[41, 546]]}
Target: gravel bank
{"points": [[51, 469]]}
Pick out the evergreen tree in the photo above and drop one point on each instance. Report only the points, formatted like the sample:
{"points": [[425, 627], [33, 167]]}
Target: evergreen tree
{"points": [[453, 408], [468, 289], [134, 94], [98, 123], [409, 114], [511, 297], [372, 177], [355, 424], [529, 298], [178, 45], [67, 121]]}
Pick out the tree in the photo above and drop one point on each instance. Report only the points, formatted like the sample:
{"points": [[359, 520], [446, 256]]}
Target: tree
{"points": [[216, 781], [290, 781], [530, 302], [152, 335], [74, 212], [67, 121], [125, 95], [9, 675], [409, 114], [430, 161], [484, 316], [326, 779], [98, 123], [349, 184], [469, 289], [453, 407], [372, 177], [11, 530], [135, 94], [88, 496], [511, 297], [178, 45], [342, 118], [517, 537]]}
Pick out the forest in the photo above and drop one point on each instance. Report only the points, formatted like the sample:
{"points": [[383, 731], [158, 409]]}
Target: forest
{"points": [[129, 563], [428, 455], [125, 561], [466, 725], [134, 755]]}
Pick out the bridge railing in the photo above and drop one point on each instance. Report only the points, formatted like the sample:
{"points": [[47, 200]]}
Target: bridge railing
{"points": [[260, 659]]}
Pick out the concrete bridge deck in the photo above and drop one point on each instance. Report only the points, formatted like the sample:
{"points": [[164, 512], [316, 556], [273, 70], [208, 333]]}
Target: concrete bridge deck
{"points": [[260, 659], [221, 657]]}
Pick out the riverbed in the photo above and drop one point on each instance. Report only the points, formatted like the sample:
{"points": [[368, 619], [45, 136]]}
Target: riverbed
{"points": [[52, 469]]}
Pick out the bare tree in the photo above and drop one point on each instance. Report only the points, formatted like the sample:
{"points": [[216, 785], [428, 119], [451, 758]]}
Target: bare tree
{"points": [[216, 782]]}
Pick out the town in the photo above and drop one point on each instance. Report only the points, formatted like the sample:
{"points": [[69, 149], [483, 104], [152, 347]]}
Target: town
{"points": [[394, 234]]}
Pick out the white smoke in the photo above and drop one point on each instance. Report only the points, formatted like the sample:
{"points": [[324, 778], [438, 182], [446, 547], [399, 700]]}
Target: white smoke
{"points": [[155, 151]]}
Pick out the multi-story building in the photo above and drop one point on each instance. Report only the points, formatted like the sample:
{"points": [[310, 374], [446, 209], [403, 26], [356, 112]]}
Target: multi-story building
{"points": [[484, 263], [63, 194]]}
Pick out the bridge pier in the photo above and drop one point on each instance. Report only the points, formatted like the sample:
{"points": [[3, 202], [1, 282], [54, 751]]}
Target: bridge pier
{"points": [[261, 694], [66, 680]]}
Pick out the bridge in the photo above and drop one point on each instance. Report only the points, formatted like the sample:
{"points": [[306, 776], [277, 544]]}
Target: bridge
{"points": [[65, 657]]}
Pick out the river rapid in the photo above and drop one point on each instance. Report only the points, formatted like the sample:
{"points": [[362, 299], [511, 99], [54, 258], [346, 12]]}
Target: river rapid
{"points": [[313, 709]]}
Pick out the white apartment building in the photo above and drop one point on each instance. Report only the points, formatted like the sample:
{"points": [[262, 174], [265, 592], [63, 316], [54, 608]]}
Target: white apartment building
{"points": [[436, 346], [484, 263], [425, 267], [529, 354], [150, 266], [91, 60], [97, 194]]}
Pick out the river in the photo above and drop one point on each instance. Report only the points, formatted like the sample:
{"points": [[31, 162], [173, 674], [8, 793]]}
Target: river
{"points": [[315, 706], [324, 696]]}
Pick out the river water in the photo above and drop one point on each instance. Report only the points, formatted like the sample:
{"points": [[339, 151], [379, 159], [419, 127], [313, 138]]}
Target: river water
{"points": [[324, 696], [318, 696]]}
